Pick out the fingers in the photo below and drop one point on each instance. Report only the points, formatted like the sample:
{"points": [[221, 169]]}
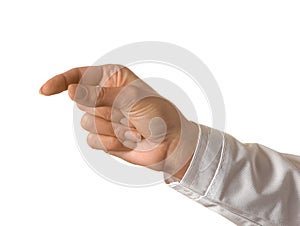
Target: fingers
{"points": [[108, 113], [93, 96], [101, 126], [109, 75], [105, 112], [106, 143], [114, 147], [61, 82]]}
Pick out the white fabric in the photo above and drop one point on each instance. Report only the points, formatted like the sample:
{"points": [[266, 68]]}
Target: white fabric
{"points": [[249, 184]]}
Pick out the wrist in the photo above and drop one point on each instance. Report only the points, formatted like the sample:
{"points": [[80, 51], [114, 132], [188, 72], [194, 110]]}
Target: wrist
{"points": [[179, 174], [182, 150]]}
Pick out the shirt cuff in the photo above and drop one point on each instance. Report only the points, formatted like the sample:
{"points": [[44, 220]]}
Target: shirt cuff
{"points": [[204, 166]]}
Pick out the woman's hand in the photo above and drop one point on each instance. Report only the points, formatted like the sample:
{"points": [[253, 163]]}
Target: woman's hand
{"points": [[127, 118]]}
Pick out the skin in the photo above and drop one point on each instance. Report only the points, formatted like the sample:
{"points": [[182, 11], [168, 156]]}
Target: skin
{"points": [[127, 118]]}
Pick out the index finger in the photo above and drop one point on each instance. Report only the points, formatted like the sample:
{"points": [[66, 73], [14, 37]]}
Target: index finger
{"points": [[92, 75], [60, 83]]}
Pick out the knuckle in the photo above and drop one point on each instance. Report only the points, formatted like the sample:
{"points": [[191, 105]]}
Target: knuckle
{"points": [[91, 140], [100, 95], [83, 121], [115, 115], [117, 70], [124, 69], [86, 121], [101, 112], [111, 69], [113, 144], [106, 113], [80, 107], [118, 131], [74, 69]]}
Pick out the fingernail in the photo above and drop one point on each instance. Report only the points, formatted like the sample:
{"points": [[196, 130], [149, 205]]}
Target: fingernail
{"points": [[81, 92], [133, 136]]}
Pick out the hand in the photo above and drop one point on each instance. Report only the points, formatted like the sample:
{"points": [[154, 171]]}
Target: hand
{"points": [[127, 118]]}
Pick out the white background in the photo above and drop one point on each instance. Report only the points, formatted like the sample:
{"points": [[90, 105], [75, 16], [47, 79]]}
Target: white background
{"points": [[251, 47]]}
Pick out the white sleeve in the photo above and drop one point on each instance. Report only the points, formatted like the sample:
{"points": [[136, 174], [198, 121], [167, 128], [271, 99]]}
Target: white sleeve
{"points": [[249, 184]]}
